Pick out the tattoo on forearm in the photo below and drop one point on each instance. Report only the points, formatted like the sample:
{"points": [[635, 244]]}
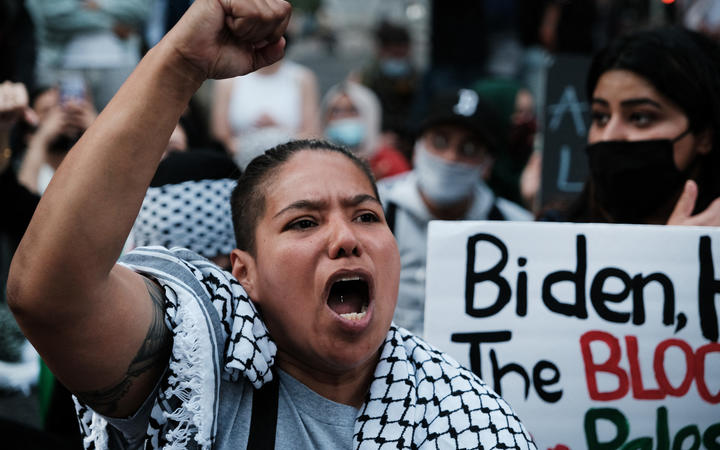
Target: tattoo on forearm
{"points": [[154, 350]]}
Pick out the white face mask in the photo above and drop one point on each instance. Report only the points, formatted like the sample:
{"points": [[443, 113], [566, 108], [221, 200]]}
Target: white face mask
{"points": [[444, 182]]}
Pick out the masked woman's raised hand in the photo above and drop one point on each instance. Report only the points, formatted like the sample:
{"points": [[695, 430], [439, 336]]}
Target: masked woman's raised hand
{"points": [[227, 38], [683, 212]]}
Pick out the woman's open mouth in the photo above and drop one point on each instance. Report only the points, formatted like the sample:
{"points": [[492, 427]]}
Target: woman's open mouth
{"points": [[349, 296]]}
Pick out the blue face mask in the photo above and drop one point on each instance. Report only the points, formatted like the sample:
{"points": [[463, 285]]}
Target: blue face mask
{"points": [[348, 132], [395, 67]]}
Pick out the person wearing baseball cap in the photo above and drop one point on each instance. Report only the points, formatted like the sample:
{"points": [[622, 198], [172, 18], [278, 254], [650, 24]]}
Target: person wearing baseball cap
{"points": [[453, 156]]}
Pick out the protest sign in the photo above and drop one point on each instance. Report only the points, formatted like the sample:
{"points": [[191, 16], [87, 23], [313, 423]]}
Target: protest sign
{"points": [[599, 336], [567, 117]]}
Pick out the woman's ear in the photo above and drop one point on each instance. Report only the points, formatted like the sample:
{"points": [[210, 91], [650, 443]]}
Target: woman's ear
{"points": [[245, 271]]}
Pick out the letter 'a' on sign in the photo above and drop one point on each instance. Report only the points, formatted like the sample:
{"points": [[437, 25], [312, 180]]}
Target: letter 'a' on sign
{"points": [[566, 117]]}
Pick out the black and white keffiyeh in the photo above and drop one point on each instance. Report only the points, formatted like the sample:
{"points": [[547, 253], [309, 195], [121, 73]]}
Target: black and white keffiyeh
{"points": [[192, 214], [188, 204], [419, 397]]}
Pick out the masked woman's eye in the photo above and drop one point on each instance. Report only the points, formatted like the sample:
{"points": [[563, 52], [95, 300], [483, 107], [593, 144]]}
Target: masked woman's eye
{"points": [[599, 118], [642, 119]]}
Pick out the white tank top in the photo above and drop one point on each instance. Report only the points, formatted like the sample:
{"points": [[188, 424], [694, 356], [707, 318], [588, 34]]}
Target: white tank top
{"points": [[277, 95]]}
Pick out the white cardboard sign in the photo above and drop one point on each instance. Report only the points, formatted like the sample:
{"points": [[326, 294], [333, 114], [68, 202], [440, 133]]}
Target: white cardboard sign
{"points": [[599, 336]]}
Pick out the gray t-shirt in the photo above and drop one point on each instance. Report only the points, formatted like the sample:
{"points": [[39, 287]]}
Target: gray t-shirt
{"points": [[305, 419]]}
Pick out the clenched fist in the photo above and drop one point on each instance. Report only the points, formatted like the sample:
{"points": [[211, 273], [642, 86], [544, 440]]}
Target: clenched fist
{"points": [[227, 38]]}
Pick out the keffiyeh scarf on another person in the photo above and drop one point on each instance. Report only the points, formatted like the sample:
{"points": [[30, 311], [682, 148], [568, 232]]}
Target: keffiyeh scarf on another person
{"points": [[419, 397], [192, 214], [188, 204]]}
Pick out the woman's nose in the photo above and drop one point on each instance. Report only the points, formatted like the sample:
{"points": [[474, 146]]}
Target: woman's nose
{"points": [[614, 130], [343, 241]]}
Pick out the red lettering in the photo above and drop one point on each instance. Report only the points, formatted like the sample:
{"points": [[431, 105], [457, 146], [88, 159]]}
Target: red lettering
{"points": [[695, 363], [638, 389], [659, 366], [609, 366], [700, 354]]}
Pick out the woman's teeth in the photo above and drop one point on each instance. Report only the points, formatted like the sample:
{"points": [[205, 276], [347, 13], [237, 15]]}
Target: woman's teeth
{"points": [[354, 315]]}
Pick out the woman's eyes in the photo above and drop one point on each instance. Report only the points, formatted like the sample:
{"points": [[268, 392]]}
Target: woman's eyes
{"points": [[637, 118], [305, 223], [641, 118], [367, 217], [599, 118], [301, 224]]}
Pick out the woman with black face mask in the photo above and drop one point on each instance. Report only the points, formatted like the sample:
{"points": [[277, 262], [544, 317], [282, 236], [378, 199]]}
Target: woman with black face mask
{"points": [[654, 138]]}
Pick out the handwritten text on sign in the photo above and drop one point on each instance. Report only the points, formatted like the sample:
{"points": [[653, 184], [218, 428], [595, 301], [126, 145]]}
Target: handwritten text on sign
{"points": [[599, 336]]}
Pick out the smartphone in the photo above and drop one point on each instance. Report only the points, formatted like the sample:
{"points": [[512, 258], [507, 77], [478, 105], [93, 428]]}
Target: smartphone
{"points": [[72, 88]]}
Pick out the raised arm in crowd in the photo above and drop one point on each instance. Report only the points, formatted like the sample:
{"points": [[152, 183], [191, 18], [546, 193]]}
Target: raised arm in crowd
{"points": [[99, 325]]}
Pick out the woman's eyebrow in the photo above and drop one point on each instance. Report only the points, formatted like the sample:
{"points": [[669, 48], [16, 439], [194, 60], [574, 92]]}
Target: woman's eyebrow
{"points": [[640, 101], [358, 199], [316, 205], [303, 205], [600, 101]]}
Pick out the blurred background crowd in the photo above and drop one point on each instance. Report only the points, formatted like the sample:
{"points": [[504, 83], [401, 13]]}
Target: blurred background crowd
{"points": [[422, 89]]}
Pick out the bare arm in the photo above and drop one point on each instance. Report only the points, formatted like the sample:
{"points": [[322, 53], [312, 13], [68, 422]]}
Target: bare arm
{"points": [[148, 363], [97, 324]]}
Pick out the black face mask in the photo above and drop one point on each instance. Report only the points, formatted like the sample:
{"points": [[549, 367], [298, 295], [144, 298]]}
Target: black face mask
{"points": [[634, 179]]}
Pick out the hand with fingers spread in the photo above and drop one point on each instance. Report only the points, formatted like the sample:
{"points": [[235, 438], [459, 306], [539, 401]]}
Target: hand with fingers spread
{"points": [[683, 212], [226, 38]]}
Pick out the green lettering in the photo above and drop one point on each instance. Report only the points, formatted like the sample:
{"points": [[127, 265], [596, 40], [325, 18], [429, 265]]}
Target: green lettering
{"points": [[711, 437], [688, 431], [644, 443], [615, 417], [661, 429]]}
